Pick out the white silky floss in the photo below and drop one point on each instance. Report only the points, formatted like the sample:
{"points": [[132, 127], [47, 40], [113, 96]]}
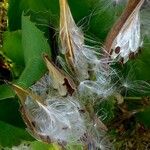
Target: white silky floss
{"points": [[59, 119], [128, 38]]}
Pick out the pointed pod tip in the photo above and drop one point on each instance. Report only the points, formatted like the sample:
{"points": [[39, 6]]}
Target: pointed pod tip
{"points": [[45, 56], [18, 89], [14, 86], [20, 92], [23, 93]]}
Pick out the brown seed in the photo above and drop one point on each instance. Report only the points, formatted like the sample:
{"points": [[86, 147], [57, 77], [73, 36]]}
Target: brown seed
{"points": [[117, 50], [33, 123], [121, 61], [62, 143], [131, 55], [65, 128], [48, 139], [111, 51], [81, 110]]}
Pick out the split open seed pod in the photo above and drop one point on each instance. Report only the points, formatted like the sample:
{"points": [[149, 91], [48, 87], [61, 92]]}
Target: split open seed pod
{"points": [[124, 39]]}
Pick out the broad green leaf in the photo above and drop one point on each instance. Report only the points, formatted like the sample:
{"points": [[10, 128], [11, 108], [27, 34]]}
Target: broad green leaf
{"points": [[143, 63], [6, 92], [35, 145], [9, 112], [97, 16], [144, 118], [11, 135], [33, 40], [34, 45], [12, 47], [15, 9], [86, 8], [43, 146], [74, 147], [50, 6]]}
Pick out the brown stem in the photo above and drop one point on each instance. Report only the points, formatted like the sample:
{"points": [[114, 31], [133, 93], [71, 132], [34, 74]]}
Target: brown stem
{"points": [[131, 6]]}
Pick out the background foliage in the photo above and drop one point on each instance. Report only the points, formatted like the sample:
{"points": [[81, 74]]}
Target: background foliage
{"points": [[32, 30]]}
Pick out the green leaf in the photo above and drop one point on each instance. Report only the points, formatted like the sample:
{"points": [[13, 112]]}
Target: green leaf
{"points": [[36, 145], [14, 23], [9, 112], [50, 6], [41, 146], [34, 45], [144, 118], [86, 8], [99, 14], [10, 135], [6, 92], [143, 63], [12, 47], [74, 147]]}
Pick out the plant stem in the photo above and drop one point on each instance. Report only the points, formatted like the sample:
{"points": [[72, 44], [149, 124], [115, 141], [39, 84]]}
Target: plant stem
{"points": [[132, 98]]}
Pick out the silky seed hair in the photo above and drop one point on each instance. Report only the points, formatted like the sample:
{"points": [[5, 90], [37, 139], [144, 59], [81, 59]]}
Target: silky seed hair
{"points": [[72, 41], [54, 101], [99, 139], [59, 118], [128, 83], [103, 85], [42, 86], [84, 58]]}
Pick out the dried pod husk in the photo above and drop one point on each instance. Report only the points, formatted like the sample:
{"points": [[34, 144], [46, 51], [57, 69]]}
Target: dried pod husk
{"points": [[59, 80]]}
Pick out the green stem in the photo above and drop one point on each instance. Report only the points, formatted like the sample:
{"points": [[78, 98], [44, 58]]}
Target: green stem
{"points": [[132, 98]]}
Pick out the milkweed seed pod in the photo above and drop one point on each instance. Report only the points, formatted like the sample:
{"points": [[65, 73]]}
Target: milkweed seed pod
{"points": [[53, 117], [56, 119], [72, 42], [124, 39]]}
